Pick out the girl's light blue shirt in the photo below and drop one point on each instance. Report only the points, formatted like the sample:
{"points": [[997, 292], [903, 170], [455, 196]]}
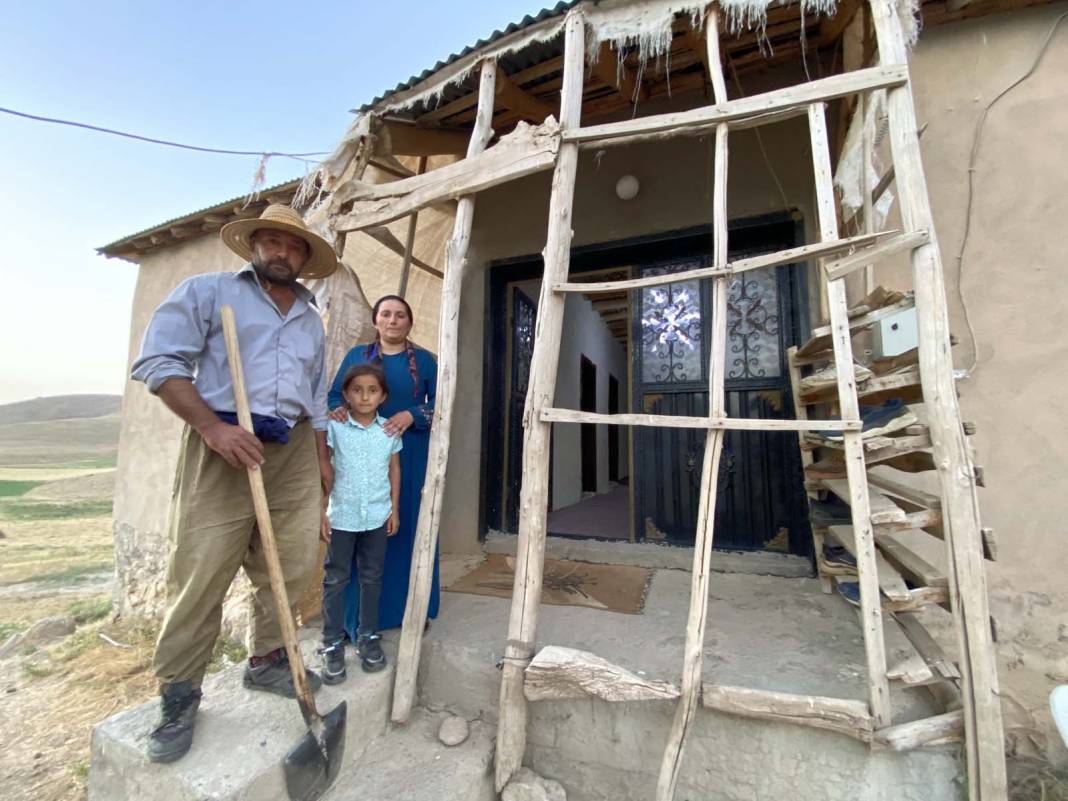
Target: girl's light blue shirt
{"points": [[360, 500]]}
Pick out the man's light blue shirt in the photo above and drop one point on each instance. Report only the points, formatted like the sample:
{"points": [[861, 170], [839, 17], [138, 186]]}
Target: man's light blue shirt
{"points": [[360, 500], [283, 355]]}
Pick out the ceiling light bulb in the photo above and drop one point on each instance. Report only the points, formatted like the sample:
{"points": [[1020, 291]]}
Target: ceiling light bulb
{"points": [[627, 187]]}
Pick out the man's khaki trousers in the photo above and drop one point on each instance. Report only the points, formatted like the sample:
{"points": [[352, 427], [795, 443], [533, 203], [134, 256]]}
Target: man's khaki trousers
{"points": [[213, 533]]}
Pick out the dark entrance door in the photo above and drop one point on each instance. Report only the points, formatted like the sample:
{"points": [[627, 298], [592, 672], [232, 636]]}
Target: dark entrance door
{"points": [[761, 502], [760, 482], [588, 436], [524, 312]]}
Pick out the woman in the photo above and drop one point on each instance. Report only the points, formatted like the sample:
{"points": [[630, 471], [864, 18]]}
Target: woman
{"points": [[412, 376]]}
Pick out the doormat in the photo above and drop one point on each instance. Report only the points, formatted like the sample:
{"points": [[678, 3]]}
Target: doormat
{"points": [[616, 588]]}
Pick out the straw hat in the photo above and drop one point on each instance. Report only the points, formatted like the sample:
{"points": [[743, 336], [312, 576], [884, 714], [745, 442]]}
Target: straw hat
{"points": [[238, 237]]}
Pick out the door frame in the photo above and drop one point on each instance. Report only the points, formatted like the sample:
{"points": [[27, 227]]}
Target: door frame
{"points": [[588, 258]]}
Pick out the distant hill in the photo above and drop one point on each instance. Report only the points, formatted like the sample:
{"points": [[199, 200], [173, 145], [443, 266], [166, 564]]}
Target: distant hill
{"points": [[60, 407]]}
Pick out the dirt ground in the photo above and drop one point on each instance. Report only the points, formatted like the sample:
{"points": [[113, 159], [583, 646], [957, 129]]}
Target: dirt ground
{"points": [[56, 560]]}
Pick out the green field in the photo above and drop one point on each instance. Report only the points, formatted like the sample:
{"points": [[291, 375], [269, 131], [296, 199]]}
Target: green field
{"points": [[12, 489]]}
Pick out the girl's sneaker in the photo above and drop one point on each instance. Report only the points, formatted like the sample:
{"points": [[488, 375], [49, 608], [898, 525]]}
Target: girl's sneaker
{"points": [[333, 662], [372, 658]]}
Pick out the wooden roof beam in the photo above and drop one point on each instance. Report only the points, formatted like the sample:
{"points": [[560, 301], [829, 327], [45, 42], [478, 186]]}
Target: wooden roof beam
{"points": [[608, 68], [401, 139], [511, 96]]}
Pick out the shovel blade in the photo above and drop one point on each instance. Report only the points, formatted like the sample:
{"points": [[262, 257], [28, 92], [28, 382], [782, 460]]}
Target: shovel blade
{"points": [[313, 763]]}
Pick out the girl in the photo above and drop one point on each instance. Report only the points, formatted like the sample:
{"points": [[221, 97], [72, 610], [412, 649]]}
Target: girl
{"points": [[412, 376], [362, 515]]}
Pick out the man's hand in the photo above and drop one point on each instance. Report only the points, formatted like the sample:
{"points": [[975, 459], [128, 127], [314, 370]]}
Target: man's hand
{"points": [[237, 446], [340, 414], [393, 524], [324, 528], [326, 474]]}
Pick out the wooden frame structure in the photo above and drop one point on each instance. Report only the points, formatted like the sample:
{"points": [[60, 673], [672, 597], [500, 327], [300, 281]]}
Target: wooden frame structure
{"points": [[555, 145]]}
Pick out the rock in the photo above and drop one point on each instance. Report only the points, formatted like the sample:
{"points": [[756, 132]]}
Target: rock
{"points": [[453, 730], [48, 629], [3, 535], [527, 785]]}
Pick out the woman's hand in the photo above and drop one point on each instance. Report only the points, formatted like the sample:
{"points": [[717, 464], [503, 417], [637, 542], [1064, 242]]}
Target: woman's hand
{"points": [[393, 524], [340, 414], [398, 423]]}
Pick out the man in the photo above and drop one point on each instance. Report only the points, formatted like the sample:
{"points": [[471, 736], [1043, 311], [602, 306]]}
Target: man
{"points": [[213, 533]]}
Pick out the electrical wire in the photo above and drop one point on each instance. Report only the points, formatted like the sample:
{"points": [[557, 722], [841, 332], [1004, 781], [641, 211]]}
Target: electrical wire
{"points": [[976, 141], [138, 137]]}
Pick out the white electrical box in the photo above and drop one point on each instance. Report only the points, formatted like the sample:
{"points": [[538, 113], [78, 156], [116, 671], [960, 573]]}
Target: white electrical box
{"points": [[895, 335]]}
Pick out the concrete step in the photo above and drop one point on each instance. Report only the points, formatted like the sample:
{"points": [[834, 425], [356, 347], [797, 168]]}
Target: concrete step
{"points": [[241, 738], [410, 764]]}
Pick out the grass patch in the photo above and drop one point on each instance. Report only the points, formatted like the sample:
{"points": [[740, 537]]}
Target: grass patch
{"points": [[37, 671], [24, 511], [59, 578], [12, 489], [226, 653], [90, 610], [80, 771], [7, 628]]}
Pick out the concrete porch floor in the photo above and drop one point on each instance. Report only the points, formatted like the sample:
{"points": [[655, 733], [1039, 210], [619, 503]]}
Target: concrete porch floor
{"points": [[765, 632]]}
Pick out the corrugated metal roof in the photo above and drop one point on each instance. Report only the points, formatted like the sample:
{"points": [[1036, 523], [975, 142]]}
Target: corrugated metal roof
{"points": [[110, 248], [559, 9]]}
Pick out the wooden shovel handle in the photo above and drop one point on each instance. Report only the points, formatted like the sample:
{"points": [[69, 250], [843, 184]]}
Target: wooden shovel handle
{"points": [[263, 520]]}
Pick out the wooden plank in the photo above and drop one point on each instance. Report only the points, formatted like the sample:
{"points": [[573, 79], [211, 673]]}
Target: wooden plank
{"points": [[534, 493], [918, 599], [909, 493], [985, 748], [425, 548], [524, 152], [926, 645], [693, 652], [891, 584], [555, 415], [788, 256], [820, 339], [906, 665], [910, 564], [883, 510], [401, 139], [700, 121], [558, 673], [905, 386], [841, 715], [938, 730], [847, 265], [864, 537]]}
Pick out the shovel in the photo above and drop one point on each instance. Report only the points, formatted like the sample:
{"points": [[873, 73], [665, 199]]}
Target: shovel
{"points": [[313, 763]]}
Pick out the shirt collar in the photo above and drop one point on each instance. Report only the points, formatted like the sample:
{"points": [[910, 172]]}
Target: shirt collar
{"points": [[301, 291], [378, 421]]}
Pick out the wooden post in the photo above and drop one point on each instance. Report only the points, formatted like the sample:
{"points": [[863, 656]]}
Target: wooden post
{"points": [[870, 609], [534, 495], [867, 144], [426, 533], [984, 735], [693, 662], [409, 242]]}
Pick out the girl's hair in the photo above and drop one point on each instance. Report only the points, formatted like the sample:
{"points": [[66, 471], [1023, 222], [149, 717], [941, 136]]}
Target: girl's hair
{"points": [[368, 368], [373, 351]]}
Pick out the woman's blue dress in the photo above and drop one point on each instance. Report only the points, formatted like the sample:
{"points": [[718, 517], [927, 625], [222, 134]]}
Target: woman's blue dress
{"points": [[403, 396]]}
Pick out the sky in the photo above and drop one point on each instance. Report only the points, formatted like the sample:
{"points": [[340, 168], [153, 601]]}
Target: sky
{"points": [[235, 75]]}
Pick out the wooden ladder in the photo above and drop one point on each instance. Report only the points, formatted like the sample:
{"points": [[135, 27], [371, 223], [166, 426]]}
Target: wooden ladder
{"points": [[958, 507]]}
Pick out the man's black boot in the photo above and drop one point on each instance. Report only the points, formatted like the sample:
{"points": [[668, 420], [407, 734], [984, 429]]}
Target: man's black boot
{"points": [[174, 734]]}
